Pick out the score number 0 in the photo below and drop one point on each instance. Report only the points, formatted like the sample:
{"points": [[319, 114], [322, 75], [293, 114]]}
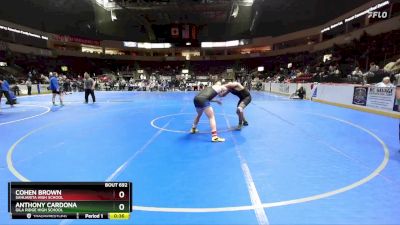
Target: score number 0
{"points": [[121, 194]]}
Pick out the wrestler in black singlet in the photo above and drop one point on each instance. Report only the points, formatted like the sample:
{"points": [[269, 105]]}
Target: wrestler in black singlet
{"points": [[202, 99], [244, 97]]}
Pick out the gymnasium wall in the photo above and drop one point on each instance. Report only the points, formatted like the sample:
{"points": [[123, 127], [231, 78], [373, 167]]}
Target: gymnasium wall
{"points": [[364, 98]]}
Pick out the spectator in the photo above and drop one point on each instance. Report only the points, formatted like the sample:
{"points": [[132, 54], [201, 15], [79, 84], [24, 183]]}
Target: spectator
{"points": [[355, 75], [357, 72], [300, 93], [15, 89], [373, 68], [28, 84], [131, 84], [385, 83], [122, 84]]}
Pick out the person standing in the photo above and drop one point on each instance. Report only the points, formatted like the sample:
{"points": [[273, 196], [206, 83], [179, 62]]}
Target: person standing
{"points": [[89, 86], [55, 89], [5, 89], [29, 86]]}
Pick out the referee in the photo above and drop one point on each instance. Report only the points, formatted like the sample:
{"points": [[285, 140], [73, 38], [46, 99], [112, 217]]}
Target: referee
{"points": [[55, 89], [89, 85]]}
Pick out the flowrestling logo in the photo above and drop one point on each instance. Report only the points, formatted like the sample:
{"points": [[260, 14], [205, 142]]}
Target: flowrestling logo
{"points": [[379, 15]]}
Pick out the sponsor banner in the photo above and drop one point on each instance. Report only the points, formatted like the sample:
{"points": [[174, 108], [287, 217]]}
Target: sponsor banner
{"points": [[267, 87], [360, 96], [315, 92], [65, 38], [381, 98], [283, 88], [397, 103], [398, 95], [202, 77]]}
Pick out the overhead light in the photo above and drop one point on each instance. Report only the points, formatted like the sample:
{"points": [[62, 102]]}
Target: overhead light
{"points": [[232, 43], [246, 2], [113, 15], [146, 45], [235, 12], [206, 44], [130, 44], [260, 69], [220, 44], [107, 4], [188, 43]]}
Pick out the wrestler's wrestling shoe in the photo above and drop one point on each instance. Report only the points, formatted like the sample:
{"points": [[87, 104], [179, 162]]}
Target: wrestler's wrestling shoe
{"points": [[194, 130], [217, 139]]}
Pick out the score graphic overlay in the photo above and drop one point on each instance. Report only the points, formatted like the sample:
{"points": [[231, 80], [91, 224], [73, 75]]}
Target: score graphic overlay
{"points": [[70, 200]]}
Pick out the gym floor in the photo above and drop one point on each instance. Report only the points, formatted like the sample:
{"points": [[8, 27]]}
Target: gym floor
{"points": [[298, 162]]}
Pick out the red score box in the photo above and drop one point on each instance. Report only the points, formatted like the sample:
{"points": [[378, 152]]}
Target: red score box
{"points": [[121, 194]]}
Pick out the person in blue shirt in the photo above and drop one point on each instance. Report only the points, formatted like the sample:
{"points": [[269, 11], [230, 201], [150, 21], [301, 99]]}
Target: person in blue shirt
{"points": [[55, 88], [5, 89]]}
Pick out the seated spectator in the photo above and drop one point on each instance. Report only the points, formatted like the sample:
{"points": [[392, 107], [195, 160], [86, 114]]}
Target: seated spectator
{"points": [[299, 94], [385, 83], [357, 72], [373, 68], [355, 75]]}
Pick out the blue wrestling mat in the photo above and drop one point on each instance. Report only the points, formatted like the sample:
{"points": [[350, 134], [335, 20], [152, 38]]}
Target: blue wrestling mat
{"points": [[298, 162]]}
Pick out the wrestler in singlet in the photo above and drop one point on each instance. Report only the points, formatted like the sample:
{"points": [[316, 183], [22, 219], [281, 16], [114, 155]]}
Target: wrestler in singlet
{"points": [[203, 99], [244, 97], [202, 103]]}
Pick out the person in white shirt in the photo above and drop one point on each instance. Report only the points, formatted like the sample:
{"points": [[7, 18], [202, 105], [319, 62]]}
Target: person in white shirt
{"points": [[29, 86], [357, 72], [385, 83], [355, 75]]}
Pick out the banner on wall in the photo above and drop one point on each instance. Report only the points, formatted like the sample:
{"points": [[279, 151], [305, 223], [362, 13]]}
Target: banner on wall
{"points": [[284, 88], [381, 97], [397, 98], [186, 31], [360, 96], [314, 92]]}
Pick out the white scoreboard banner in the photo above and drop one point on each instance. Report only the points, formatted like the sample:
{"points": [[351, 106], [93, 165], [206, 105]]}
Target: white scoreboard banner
{"points": [[381, 97]]}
